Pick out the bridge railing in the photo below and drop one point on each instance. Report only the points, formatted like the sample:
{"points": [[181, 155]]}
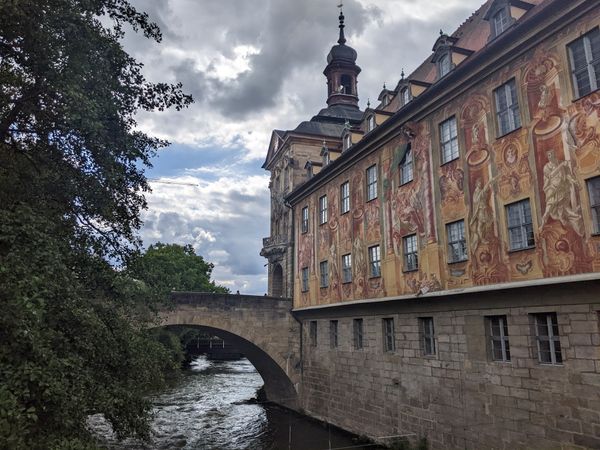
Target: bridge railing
{"points": [[179, 297]]}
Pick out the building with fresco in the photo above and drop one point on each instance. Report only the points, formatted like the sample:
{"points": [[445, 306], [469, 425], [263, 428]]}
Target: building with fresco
{"points": [[443, 248]]}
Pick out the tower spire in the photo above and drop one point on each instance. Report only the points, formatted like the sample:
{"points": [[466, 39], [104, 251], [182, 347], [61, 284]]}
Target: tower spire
{"points": [[342, 39]]}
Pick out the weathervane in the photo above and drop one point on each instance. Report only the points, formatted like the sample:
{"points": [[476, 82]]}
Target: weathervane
{"points": [[341, 5]]}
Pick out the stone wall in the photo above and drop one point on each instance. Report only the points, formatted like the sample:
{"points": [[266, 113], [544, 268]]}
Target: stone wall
{"points": [[460, 398]]}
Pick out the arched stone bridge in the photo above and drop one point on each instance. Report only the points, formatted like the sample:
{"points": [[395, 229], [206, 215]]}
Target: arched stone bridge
{"points": [[261, 327]]}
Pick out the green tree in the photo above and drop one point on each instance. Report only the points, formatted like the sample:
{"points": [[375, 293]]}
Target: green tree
{"points": [[172, 267], [74, 332]]}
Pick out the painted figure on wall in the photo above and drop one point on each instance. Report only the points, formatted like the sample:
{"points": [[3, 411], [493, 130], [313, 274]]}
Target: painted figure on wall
{"points": [[481, 224], [560, 189]]}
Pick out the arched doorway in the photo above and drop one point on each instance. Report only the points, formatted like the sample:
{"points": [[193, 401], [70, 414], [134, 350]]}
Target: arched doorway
{"points": [[277, 286]]}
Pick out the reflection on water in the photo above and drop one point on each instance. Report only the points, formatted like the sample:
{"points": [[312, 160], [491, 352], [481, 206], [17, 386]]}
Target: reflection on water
{"points": [[209, 409]]}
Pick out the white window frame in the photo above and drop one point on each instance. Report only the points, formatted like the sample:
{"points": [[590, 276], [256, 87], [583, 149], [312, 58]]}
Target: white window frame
{"points": [[347, 268], [592, 77], [375, 261], [304, 275], [371, 124], [507, 93], [347, 141], [427, 332], [372, 182], [324, 274], [405, 94], [304, 224], [410, 251], [500, 26], [449, 147], [389, 335], [547, 322], [524, 227], [498, 338], [593, 185], [345, 197], [457, 241], [323, 210], [445, 64], [406, 167]]}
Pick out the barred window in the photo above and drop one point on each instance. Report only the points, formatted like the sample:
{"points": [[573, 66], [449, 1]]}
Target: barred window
{"points": [[389, 340], [520, 227], [323, 209], [375, 260], [333, 333], [305, 220], [411, 255], [584, 54], [324, 273], [449, 140], [372, 183], [548, 340], [406, 167], [498, 336], [345, 197], [457, 244], [593, 185], [304, 279], [427, 336], [507, 108], [346, 268], [357, 333], [313, 333]]}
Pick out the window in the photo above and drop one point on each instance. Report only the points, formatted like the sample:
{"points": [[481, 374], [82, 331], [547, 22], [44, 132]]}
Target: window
{"points": [[389, 341], [457, 245], [584, 54], [520, 227], [347, 268], [357, 333], [548, 340], [411, 256], [405, 94], [507, 108], [305, 220], [371, 123], [498, 338], [372, 183], [323, 209], [345, 197], [347, 141], [333, 333], [324, 273], [444, 65], [406, 167], [385, 101], [326, 158], [501, 21], [449, 140], [346, 84], [375, 261], [313, 333], [594, 191], [305, 279], [427, 336]]}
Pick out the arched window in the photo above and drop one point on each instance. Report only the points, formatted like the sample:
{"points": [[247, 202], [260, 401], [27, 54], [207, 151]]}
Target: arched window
{"points": [[346, 84]]}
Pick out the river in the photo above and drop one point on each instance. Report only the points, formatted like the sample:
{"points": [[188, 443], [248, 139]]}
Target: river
{"points": [[213, 406]]}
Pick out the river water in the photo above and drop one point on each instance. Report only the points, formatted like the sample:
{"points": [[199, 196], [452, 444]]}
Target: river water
{"points": [[214, 406]]}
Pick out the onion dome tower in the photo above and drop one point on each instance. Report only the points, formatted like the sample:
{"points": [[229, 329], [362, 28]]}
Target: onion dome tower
{"points": [[342, 72]]}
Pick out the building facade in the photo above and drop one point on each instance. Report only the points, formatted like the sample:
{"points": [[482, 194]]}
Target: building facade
{"points": [[446, 263]]}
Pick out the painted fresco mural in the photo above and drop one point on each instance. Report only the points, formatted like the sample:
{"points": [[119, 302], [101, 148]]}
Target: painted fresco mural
{"points": [[547, 161]]}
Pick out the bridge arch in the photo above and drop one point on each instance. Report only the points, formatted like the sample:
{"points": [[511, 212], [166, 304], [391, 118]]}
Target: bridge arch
{"points": [[262, 328]]}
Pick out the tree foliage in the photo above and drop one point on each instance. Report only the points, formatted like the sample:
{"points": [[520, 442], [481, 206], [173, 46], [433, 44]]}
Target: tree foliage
{"points": [[172, 267], [74, 336]]}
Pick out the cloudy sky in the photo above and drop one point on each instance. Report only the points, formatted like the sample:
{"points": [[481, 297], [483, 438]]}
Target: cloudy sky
{"points": [[252, 66]]}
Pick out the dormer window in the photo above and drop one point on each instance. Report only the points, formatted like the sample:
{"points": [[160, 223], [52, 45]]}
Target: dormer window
{"points": [[444, 65], [326, 158], [371, 123], [347, 141], [385, 101], [405, 95], [501, 21]]}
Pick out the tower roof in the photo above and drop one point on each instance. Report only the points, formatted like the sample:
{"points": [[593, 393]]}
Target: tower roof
{"points": [[341, 52]]}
